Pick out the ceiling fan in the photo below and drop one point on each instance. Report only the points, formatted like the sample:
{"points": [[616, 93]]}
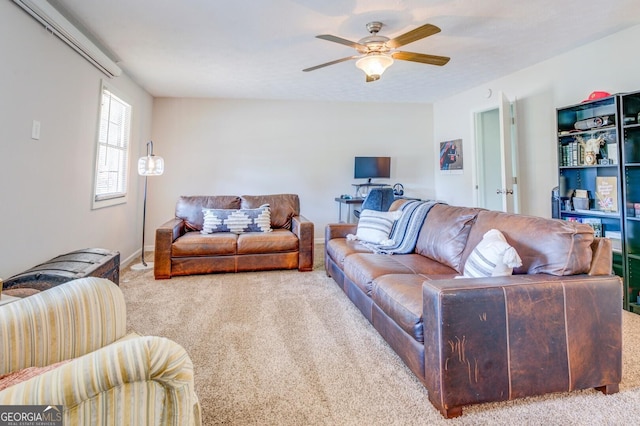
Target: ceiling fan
{"points": [[378, 52]]}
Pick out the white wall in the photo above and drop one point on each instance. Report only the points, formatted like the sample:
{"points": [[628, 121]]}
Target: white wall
{"points": [[248, 147], [258, 147], [46, 185], [610, 64]]}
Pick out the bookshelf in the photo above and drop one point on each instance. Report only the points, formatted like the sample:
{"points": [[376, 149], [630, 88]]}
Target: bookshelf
{"points": [[590, 174], [630, 124]]}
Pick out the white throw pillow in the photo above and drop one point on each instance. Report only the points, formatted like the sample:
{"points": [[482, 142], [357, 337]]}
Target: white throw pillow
{"points": [[375, 227], [492, 257]]}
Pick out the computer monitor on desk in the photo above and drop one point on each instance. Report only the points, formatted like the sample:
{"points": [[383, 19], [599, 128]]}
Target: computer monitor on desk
{"points": [[372, 167]]}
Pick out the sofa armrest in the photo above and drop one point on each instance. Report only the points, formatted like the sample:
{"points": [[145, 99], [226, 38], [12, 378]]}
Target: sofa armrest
{"points": [[166, 234], [490, 339], [149, 377], [339, 230], [63, 322], [304, 230]]}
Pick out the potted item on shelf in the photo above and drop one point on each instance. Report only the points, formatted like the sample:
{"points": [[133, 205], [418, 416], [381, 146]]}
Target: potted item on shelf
{"points": [[580, 203], [581, 199]]}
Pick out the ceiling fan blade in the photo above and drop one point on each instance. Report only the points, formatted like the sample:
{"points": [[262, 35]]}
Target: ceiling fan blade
{"points": [[340, 40], [421, 57], [421, 32], [337, 61]]}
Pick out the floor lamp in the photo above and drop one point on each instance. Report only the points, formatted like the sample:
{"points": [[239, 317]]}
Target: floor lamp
{"points": [[150, 165]]}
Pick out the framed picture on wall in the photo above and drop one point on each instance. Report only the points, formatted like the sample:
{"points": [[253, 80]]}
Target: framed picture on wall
{"points": [[451, 158]]}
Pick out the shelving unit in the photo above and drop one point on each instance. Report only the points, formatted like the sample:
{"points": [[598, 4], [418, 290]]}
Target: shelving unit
{"points": [[630, 114], [589, 153], [362, 189]]}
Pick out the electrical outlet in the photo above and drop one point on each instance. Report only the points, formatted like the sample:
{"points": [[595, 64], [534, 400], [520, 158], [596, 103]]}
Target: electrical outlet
{"points": [[35, 130]]}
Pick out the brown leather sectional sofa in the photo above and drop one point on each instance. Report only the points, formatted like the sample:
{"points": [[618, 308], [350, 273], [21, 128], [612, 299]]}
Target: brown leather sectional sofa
{"points": [[555, 325], [181, 249]]}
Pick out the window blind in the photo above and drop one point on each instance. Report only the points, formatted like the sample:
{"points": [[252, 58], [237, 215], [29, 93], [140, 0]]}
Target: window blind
{"points": [[113, 147]]}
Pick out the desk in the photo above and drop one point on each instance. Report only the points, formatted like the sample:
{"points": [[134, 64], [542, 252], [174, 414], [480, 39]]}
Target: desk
{"points": [[363, 194], [349, 202]]}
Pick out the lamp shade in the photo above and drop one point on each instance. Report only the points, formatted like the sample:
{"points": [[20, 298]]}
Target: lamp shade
{"points": [[151, 165], [374, 64]]}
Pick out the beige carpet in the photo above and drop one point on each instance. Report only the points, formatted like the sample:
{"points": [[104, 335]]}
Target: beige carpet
{"points": [[289, 348]]}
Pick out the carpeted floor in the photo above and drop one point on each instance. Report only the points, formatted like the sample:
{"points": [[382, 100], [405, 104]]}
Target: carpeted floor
{"points": [[289, 348]]}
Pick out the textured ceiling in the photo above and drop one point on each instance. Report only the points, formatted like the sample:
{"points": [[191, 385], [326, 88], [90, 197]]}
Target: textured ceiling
{"points": [[257, 49]]}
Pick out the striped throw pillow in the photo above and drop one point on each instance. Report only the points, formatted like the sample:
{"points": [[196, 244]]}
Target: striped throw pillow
{"points": [[492, 257], [375, 227]]}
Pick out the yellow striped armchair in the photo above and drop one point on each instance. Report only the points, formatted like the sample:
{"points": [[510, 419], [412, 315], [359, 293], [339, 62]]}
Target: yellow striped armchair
{"points": [[71, 345]]}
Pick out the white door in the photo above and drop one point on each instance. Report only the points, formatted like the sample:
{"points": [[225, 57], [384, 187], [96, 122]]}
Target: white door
{"points": [[497, 158]]}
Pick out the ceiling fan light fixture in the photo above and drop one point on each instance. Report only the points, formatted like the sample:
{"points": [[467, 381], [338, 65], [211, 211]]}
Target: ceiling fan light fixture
{"points": [[374, 64], [377, 53]]}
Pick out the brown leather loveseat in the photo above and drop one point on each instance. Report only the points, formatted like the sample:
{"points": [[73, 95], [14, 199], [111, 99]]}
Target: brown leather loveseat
{"points": [[186, 245], [555, 325]]}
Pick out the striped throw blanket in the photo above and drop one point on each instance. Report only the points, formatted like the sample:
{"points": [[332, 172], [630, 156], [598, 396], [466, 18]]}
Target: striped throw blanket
{"points": [[405, 231]]}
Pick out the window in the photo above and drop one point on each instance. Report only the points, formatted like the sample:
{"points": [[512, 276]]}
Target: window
{"points": [[112, 151]]}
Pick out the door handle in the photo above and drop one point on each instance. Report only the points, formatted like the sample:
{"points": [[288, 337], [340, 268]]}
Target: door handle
{"points": [[504, 191]]}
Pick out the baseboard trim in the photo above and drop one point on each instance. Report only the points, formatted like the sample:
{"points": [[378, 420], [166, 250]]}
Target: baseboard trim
{"points": [[136, 256]]}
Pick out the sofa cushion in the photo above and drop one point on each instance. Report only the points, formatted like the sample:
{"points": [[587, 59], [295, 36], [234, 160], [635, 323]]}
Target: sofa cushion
{"points": [[237, 221], [194, 244], [21, 292], [375, 226], [15, 377], [283, 207], [399, 296], [423, 265], [546, 246], [189, 208], [443, 236], [363, 268], [278, 241], [339, 248], [492, 257]]}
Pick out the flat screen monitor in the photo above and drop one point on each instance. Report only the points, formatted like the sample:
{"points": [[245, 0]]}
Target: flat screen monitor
{"points": [[372, 167]]}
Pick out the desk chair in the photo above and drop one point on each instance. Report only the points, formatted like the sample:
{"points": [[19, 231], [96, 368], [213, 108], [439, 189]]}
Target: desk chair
{"points": [[379, 199]]}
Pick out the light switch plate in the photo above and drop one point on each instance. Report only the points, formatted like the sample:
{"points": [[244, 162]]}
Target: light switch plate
{"points": [[35, 130]]}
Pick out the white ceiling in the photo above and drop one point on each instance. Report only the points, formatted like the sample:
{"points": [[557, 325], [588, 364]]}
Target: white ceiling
{"points": [[257, 49]]}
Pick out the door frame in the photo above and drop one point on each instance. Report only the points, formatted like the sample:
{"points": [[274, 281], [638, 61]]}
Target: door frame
{"points": [[510, 131], [478, 198]]}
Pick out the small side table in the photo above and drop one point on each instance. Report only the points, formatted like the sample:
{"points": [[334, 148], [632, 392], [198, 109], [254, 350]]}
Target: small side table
{"points": [[349, 202]]}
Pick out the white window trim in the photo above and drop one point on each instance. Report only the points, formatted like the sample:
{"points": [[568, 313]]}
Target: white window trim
{"points": [[115, 199]]}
